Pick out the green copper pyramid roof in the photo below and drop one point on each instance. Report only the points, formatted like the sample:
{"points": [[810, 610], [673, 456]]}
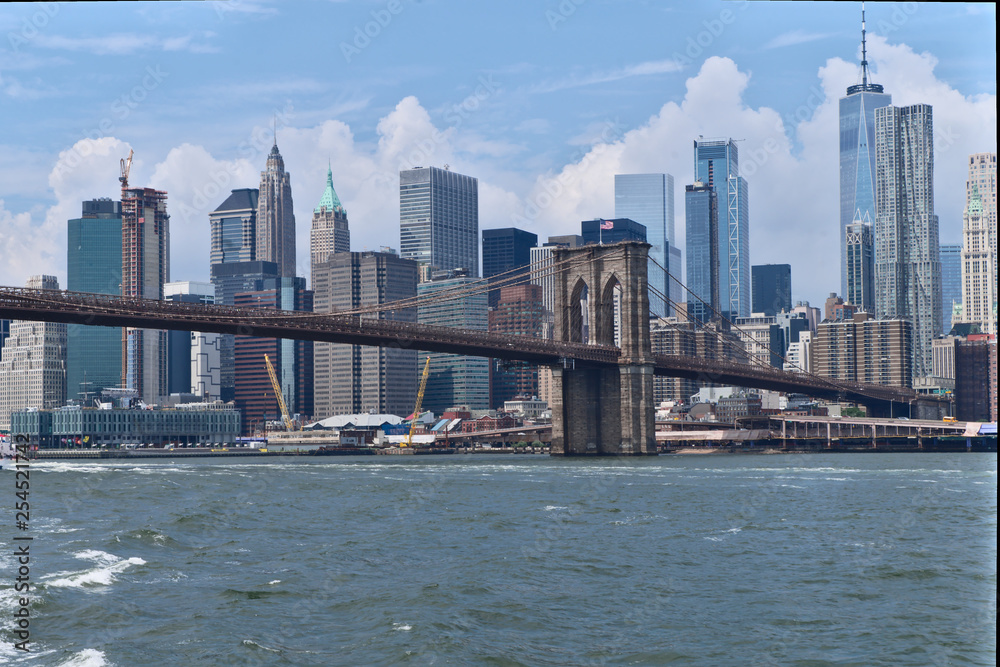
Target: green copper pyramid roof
{"points": [[975, 206], [329, 200]]}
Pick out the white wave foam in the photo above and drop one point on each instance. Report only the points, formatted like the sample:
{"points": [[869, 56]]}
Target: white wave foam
{"points": [[90, 657], [108, 565], [550, 508], [401, 627], [273, 582]]}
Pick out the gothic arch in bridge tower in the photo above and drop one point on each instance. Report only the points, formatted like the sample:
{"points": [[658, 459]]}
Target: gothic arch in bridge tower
{"points": [[575, 331], [605, 411], [604, 326]]}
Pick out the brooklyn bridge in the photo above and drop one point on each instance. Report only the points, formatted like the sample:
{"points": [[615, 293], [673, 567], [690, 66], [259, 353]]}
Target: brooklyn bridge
{"points": [[604, 403]]}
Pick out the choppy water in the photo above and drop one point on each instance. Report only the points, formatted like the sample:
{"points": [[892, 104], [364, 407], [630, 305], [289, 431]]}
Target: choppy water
{"points": [[849, 559]]}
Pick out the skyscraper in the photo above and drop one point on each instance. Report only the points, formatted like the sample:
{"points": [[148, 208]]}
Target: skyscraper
{"points": [[857, 158], [649, 200], [701, 217], [979, 244], [503, 251], [234, 228], [611, 231], [33, 362], [439, 219], [717, 165], [860, 240], [772, 288], [329, 232], [230, 279], [453, 379], [352, 379], [145, 269], [93, 264], [951, 283], [275, 218], [907, 257], [194, 357], [292, 359], [519, 312]]}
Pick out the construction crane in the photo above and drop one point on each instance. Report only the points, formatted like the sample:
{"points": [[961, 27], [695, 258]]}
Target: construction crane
{"points": [[420, 399], [128, 210], [126, 168], [289, 426]]}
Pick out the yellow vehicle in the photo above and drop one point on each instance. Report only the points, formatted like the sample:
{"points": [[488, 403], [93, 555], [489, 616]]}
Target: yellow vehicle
{"points": [[949, 419]]}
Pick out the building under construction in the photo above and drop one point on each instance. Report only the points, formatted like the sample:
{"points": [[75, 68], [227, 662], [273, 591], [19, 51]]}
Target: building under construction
{"points": [[145, 269]]}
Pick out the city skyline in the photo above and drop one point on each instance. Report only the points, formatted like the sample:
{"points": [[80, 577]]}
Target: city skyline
{"points": [[500, 122]]}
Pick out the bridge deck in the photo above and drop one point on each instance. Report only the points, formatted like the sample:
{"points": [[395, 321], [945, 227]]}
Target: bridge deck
{"points": [[116, 311]]}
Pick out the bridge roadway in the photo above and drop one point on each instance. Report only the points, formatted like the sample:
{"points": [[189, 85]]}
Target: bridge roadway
{"points": [[106, 310]]}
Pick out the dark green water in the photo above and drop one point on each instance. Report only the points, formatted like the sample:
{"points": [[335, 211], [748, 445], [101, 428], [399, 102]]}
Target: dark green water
{"points": [[849, 559]]}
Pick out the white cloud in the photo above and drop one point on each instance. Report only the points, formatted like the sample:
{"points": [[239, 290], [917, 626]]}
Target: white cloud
{"points": [[124, 43], [87, 170], [605, 76], [794, 37], [794, 187]]}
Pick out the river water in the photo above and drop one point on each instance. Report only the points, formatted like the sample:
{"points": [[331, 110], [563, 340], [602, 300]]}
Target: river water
{"points": [[839, 559]]}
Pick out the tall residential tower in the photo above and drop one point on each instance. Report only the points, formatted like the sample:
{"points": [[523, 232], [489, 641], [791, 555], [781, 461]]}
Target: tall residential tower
{"points": [[145, 262], [907, 256]]}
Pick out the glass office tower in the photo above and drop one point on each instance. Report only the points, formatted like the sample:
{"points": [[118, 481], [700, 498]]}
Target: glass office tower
{"points": [[857, 156], [649, 200], [701, 214], [717, 165], [94, 264], [439, 219]]}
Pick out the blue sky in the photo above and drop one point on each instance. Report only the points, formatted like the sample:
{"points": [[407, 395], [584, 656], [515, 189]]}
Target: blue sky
{"points": [[542, 101]]}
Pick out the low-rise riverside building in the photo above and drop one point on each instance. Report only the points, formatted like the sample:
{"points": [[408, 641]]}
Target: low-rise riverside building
{"points": [[72, 426]]}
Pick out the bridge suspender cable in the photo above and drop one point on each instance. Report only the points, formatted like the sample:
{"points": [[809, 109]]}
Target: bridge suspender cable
{"points": [[829, 381]]}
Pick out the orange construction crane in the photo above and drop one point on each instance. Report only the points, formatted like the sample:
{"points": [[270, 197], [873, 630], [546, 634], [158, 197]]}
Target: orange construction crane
{"points": [[289, 426], [420, 399]]}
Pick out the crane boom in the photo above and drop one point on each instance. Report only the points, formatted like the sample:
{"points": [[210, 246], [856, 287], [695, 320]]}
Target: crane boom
{"points": [[278, 395], [420, 399], [126, 168]]}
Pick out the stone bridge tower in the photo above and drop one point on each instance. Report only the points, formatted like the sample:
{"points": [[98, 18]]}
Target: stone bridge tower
{"points": [[603, 411]]}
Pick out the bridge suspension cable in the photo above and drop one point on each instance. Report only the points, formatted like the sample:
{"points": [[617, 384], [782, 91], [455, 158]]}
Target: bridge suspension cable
{"points": [[829, 381]]}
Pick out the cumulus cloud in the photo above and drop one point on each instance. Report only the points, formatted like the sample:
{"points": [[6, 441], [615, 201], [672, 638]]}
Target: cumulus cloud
{"points": [[790, 161], [39, 247]]}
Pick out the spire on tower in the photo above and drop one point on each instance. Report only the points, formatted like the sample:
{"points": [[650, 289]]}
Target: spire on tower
{"points": [[864, 51], [864, 86]]}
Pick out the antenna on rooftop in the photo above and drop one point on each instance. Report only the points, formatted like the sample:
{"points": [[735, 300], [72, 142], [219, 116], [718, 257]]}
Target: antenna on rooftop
{"points": [[864, 50]]}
